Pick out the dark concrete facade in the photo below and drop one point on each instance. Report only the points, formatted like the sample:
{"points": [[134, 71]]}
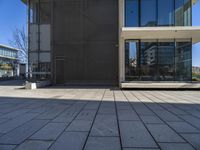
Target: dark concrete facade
{"points": [[85, 42]]}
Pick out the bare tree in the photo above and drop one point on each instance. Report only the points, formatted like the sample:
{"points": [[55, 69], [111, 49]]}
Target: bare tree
{"points": [[20, 41]]}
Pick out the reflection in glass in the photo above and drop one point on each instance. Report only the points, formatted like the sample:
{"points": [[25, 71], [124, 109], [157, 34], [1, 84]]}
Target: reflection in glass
{"points": [[131, 60], [165, 12], [148, 60], [183, 61], [187, 12], [179, 12], [165, 60], [158, 60], [148, 13], [131, 11], [157, 13]]}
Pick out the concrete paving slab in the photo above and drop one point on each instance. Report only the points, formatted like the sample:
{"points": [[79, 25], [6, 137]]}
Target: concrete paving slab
{"points": [[125, 115], [105, 125], [183, 127], [80, 125], [176, 146], [52, 113], [162, 133], [178, 111], [103, 143], [150, 119], [70, 140], [141, 109], [21, 133], [34, 145], [134, 134], [140, 149], [167, 116], [193, 120], [193, 139], [92, 105], [7, 147], [16, 122], [3, 120], [106, 110], [50, 131], [70, 113], [15, 113], [86, 115]]}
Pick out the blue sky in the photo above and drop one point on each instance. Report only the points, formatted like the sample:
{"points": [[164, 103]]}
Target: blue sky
{"points": [[13, 14]]}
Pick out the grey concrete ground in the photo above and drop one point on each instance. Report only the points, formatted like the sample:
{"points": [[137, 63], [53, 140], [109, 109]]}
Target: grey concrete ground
{"points": [[98, 119]]}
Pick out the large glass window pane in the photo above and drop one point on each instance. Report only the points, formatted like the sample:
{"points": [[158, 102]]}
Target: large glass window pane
{"points": [[179, 12], [165, 12], [183, 60], [182, 12], [187, 12], [148, 13], [131, 60], [131, 13], [148, 60], [166, 60]]}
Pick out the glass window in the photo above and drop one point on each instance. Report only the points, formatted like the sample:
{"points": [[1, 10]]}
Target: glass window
{"points": [[131, 60], [182, 12], [131, 13], [165, 12], [166, 60], [183, 60], [187, 12], [148, 60], [148, 13]]}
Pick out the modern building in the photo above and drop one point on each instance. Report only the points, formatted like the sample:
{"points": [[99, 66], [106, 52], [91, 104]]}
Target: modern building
{"points": [[196, 70], [111, 42], [9, 63]]}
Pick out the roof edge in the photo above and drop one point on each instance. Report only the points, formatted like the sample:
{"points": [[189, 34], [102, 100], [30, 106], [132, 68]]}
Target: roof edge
{"points": [[9, 47]]}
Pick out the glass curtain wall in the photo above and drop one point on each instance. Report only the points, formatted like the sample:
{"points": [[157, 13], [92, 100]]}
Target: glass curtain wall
{"points": [[131, 13], [165, 60], [158, 60], [131, 60], [165, 12], [148, 60], [147, 13], [183, 12], [183, 60]]}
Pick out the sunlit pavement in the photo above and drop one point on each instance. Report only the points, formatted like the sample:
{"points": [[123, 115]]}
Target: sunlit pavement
{"points": [[58, 118]]}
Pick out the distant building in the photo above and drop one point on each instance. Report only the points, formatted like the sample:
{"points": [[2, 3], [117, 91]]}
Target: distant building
{"points": [[196, 70], [9, 63]]}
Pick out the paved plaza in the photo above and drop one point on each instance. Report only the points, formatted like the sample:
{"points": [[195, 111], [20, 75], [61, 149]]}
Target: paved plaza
{"points": [[57, 118]]}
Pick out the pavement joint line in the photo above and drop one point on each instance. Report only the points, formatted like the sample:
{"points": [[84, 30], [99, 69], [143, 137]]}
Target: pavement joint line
{"points": [[100, 102], [103, 136], [141, 119], [69, 123], [178, 105], [164, 120], [21, 125], [38, 129], [183, 120], [176, 142], [116, 111]]}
